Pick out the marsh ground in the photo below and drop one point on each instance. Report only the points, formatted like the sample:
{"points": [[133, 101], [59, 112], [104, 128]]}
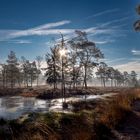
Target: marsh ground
{"points": [[116, 118]]}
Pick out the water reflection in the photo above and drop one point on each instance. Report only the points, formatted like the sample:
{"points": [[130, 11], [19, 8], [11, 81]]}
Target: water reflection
{"points": [[16, 106]]}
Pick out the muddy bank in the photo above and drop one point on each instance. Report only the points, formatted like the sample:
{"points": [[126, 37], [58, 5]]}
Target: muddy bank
{"points": [[10, 92], [51, 94], [46, 92]]}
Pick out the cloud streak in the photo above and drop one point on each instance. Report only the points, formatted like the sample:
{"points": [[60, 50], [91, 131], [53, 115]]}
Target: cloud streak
{"points": [[130, 66], [102, 13], [39, 30], [135, 52], [115, 21], [50, 29], [116, 60], [20, 41], [51, 25], [11, 34]]}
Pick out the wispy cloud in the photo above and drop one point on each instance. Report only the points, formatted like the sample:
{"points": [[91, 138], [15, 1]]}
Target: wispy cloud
{"points": [[103, 42], [42, 32], [102, 13], [115, 60], [39, 30], [51, 25], [115, 21], [20, 41], [12, 34], [50, 29], [129, 66], [44, 29], [111, 27], [135, 52], [104, 31]]}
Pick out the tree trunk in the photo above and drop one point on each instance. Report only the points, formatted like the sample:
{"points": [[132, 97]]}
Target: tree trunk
{"points": [[101, 81], [54, 75], [31, 81], [85, 77], [37, 79], [111, 82], [104, 82]]}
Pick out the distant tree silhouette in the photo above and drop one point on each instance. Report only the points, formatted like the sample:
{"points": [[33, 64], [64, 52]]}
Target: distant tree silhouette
{"points": [[102, 71], [134, 81], [4, 75], [30, 71], [126, 78], [118, 76], [12, 71], [38, 63], [110, 74]]}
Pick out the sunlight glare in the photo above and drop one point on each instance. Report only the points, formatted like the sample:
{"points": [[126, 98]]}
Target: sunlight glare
{"points": [[62, 52]]}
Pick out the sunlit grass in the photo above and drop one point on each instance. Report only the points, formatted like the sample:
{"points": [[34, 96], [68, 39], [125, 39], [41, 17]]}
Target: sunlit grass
{"points": [[119, 107]]}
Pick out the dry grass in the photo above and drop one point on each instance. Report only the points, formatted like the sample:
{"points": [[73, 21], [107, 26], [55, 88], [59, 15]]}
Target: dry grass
{"points": [[95, 121], [118, 108]]}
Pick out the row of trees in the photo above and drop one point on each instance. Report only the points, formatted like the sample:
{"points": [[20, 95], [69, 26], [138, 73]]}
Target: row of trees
{"points": [[69, 63], [115, 77], [17, 73], [73, 62]]}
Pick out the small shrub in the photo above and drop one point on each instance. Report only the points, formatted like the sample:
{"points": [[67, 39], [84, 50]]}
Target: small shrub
{"points": [[65, 105], [2, 122]]}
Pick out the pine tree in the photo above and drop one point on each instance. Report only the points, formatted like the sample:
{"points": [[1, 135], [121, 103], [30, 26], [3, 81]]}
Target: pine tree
{"points": [[12, 69], [87, 53], [53, 67]]}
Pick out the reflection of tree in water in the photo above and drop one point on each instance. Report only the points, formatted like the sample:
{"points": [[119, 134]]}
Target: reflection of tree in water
{"points": [[49, 103], [29, 103], [10, 103]]}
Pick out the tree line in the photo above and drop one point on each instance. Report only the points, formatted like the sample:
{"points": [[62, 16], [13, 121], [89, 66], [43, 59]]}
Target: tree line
{"points": [[70, 63], [16, 73]]}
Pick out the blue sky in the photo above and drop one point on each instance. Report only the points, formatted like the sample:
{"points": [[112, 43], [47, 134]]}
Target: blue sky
{"points": [[29, 27]]}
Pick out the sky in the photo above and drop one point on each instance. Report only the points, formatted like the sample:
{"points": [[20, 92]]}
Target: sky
{"points": [[29, 28]]}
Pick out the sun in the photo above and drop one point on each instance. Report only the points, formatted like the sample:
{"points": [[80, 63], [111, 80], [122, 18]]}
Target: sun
{"points": [[62, 52]]}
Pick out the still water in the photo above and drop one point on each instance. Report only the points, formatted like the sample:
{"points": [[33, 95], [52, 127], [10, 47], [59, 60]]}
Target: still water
{"points": [[16, 106]]}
